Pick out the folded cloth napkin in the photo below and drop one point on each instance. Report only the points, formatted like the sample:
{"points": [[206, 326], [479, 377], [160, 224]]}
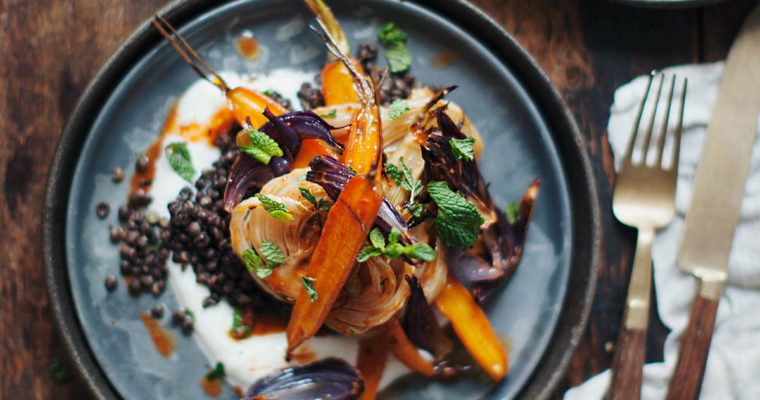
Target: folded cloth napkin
{"points": [[733, 365]]}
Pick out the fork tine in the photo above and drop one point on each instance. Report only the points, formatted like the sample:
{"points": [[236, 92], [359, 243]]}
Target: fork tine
{"points": [[679, 127], [650, 128], [632, 140], [664, 130]]}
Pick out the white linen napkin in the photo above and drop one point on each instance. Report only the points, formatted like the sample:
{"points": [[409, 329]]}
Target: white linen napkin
{"points": [[733, 365]]}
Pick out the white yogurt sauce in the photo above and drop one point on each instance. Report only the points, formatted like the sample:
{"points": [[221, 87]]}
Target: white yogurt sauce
{"points": [[245, 361]]}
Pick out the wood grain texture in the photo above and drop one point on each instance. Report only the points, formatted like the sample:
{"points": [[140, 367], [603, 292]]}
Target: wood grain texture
{"points": [[51, 49], [692, 356], [627, 362]]}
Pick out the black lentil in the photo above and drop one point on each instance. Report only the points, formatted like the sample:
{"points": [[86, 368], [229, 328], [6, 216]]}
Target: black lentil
{"points": [[279, 99], [141, 165], [310, 96], [111, 282], [134, 287], [117, 174], [102, 209], [157, 311]]}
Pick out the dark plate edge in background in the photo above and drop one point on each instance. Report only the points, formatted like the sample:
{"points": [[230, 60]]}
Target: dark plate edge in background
{"points": [[584, 201]]}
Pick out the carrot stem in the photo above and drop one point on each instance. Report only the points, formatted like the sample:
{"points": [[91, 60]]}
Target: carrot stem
{"points": [[473, 328]]}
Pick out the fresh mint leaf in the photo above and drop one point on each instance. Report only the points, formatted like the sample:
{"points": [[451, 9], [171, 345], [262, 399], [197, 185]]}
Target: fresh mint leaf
{"points": [[414, 186], [367, 252], [394, 40], [393, 249], [458, 220], [331, 114], [308, 285], [217, 372], [397, 108], [323, 205], [512, 211], [272, 254], [462, 148], [262, 147], [254, 264], [275, 208], [415, 209], [350, 168], [306, 194], [394, 173], [420, 251], [239, 329], [394, 236], [190, 314], [376, 238], [179, 158], [390, 34], [398, 56]]}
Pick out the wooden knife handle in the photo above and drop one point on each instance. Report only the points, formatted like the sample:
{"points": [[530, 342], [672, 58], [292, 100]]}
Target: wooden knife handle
{"points": [[692, 356], [627, 363]]}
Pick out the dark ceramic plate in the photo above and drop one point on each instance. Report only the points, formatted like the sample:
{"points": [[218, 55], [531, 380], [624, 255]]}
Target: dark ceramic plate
{"points": [[528, 133]]}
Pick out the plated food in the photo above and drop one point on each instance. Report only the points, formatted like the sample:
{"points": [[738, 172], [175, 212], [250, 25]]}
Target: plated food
{"points": [[356, 218], [223, 290]]}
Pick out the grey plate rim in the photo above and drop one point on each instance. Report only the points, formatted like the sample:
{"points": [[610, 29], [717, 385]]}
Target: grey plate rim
{"points": [[585, 212]]}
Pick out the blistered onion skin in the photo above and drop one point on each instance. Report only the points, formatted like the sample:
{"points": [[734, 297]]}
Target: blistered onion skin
{"points": [[330, 378], [420, 324]]}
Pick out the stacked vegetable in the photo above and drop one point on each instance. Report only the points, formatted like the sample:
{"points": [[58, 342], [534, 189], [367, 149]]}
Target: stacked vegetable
{"points": [[370, 222]]}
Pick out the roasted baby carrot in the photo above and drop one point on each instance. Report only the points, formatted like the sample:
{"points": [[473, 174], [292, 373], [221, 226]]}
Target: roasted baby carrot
{"points": [[337, 83], [348, 221], [311, 148], [249, 103], [371, 363], [241, 101], [404, 350], [471, 325], [343, 236]]}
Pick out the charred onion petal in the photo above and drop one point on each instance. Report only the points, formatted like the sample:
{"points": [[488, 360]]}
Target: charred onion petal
{"points": [[511, 242], [333, 176], [299, 125], [246, 173], [468, 267], [420, 324], [284, 135], [326, 379]]}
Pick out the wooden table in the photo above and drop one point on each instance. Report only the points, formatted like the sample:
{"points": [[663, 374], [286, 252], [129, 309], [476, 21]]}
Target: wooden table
{"points": [[51, 49]]}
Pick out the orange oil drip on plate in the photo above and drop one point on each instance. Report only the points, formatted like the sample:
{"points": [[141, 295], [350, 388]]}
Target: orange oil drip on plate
{"points": [[162, 338], [248, 47]]}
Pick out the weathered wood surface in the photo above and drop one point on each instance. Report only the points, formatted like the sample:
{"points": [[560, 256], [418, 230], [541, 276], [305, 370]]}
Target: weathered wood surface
{"points": [[51, 49]]}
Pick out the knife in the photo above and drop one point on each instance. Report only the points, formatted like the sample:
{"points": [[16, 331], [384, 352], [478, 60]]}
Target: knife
{"points": [[718, 191]]}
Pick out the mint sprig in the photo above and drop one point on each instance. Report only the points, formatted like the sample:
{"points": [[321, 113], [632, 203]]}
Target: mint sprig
{"points": [[262, 147], [394, 40], [463, 148], [179, 158], [394, 249], [458, 221], [308, 285], [275, 208], [397, 108]]}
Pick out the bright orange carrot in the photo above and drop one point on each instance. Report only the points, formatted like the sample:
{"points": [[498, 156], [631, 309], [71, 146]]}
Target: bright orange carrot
{"points": [[343, 236], [337, 83], [311, 148], [363, 140], [350, 218], [371, 363], [248, 103], [404, 350], [471, 325]]}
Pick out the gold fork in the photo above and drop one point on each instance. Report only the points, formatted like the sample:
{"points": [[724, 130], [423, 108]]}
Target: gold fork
{"points": [[644, 198]]}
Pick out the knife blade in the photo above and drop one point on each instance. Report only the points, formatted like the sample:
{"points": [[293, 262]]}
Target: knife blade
{"points": [[716, 201]]}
